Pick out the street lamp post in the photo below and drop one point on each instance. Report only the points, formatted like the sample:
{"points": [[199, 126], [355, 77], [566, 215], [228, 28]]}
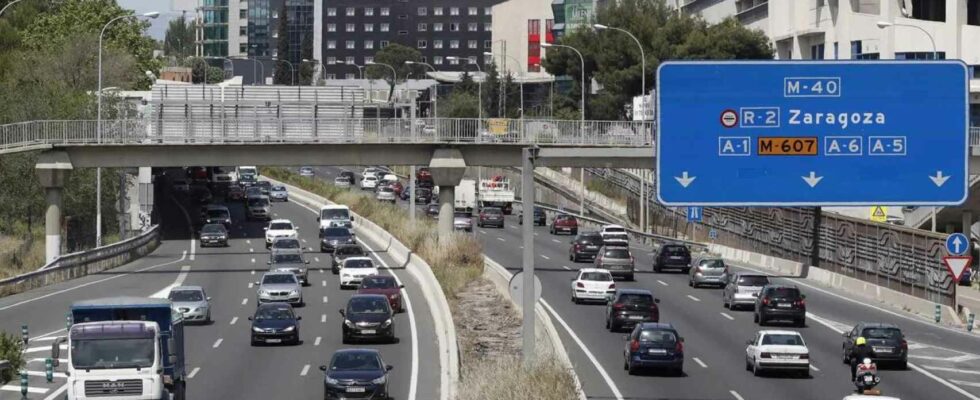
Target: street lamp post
{"points": [[8, 6], [434, 93], [394, 74], [886, 24], [523, 77], [582, 59], [479, 88], [292, 71], [98, 117]]}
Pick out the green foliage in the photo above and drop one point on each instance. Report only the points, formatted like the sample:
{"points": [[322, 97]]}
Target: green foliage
{"points": [[460, 104], [179, 40], [11, 349], [200, 67], [307, 68], [283, 74], [395, 55]]}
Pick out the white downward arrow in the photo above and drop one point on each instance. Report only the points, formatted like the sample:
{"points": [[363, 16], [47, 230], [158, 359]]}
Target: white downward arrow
{"points": [[813, 179], [939, 179], [685, 180]]}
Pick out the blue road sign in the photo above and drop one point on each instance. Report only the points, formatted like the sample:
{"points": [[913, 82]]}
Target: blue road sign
{"points": [[694, 214], [713, 234], [957, 244], [812, 133]]}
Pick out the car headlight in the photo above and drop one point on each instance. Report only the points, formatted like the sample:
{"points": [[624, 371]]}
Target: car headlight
{"points": [[197, 309], [294, 291], [257, 329], [289, 329], [395, 296], [386, 323], [379, 381], [263, 292], [348, 323], [331, 381]]}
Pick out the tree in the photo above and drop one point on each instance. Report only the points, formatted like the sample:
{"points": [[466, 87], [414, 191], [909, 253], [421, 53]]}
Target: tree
{"points": [[307, 68], [284, 73], [200, 68], [395, 55], [491, 91], [179, 40], [460, 104]]}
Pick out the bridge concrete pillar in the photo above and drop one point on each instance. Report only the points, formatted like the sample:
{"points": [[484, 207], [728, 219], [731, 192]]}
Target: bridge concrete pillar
{"points": [[950, 228], [967, 220], [53, 168], [447, 167]]}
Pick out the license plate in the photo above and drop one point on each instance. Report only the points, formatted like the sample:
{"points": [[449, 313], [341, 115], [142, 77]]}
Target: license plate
{"points": [[675, 258], [636, 317], [355, 390], [883, 349], [368, 332], [784, 305], [592, 247], [868, 378], [273, 340], [786, 357], [596, 292], [658, 351]]}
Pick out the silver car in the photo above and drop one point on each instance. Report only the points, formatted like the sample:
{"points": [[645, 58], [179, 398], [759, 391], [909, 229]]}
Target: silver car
{"points": [[742, 289], [708, 271], [462, 221], [617, 260], [192, 303], [342, 182], [290, 260], [278, 193], [385, 194], [282, 287], [306, 171]]}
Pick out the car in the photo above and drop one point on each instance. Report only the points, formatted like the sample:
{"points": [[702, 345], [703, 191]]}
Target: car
{"points": [[214, 235], [180, 185], [385, 285], [772, 350], [356, 373], [887, 341], [432, 210], [215, 214], [286, 243], [330, 238], [370, 171], [462, 221], [388, 177], [201, 194], [279, 287], [708, 271], [654, 345], [370, 182], [592, 284], [612, 229], [252, 192], [258, 208], [385, 194], [490, 216], [247, 178], [341, 182], [278, 193], [628, 307], [585, 246], [617, 260], [423, 174], [349, 175], [335, 215], [197, 174], [423, 195], [235, 193], [306, 171], [266, 187], [967, 278], [539, 218], [368, 317], [192, 303], [275, 323], [566, 223], [355, 269], [672, 256], [742, 289], [397, 187], [342, 252], [279, 228], [290, 260], [778, 302]]}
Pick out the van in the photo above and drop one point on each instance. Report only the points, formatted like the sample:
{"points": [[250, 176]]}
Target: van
{"points": [[335, 215]]}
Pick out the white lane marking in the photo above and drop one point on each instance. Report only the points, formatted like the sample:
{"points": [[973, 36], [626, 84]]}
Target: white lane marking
{"points": [[502, 240], [253, 272], [701, 363], [217, 343], [193, 248], [253, 260], [193, 372], [321, 270], [545, 257], [693, 298], [323, 283], [12, 388], [323, 318], [304, 240], [251, 284], [535, 234], [730, 318], [556, 240], [183, 256], [591, 357], [43, 349], [44, 339], [736, 395], [956, 370], [57, 393], [245, 301], [251, 250], [60, 375], [483, 232], [814, 368], [317, 259], [233, 321], [566, 267], [248, 241], [324, 299], [306, 370], [162, 293], [662, 282], [316, 342], [965, 383]]}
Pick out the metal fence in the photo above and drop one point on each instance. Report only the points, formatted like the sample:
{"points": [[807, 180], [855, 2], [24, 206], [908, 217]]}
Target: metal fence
{"points": [[77, 265]]}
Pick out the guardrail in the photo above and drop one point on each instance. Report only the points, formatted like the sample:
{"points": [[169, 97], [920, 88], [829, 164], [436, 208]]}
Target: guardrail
{"points": [[77, 265], [17, 136]]}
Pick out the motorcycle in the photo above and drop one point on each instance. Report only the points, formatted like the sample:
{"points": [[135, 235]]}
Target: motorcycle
{"points": [[866, 377]]}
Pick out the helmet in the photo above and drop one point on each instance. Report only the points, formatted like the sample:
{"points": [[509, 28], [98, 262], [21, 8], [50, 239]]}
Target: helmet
{"points": [[861, 341]]}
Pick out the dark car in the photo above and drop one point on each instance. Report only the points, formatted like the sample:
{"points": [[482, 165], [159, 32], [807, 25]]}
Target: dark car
{"points": [[285, 243], [967, 278], [214, 235], [247, 179], [252, 192], [629, 307], [777, 302], [342, 252], [332, 237], [432, 210], [275, 323], [539, 217], [887, 341], [258, 208], [266, 187], [235, 193], [368, 317], [423, 195], [349, 175], [491, 216], [564, 223], [585, 246], [201, 194], [654, 345], [673, 256], [385, 285], [356, 374], [218, 215]]}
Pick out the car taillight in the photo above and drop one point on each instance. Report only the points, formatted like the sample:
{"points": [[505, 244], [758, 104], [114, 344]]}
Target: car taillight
{"points": [[579, 284], [804, 356], [905, 345], [635, 345], [679, 347], [800, 303], [765, 355], [617, 306], [612, 285], [765, 301], [578, 247]]}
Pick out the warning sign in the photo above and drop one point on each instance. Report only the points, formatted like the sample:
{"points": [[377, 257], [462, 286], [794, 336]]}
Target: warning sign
{"points": [[879, 214]]}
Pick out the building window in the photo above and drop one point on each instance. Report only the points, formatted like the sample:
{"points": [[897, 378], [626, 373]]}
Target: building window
{"points": [[920, 55], [243, 48], [242, 31], [487, 59], [422, 44], [929, 10], [331, 27], [384, 43], [351, 28], [369, 44], [471, 59], [331, 60], [453, 61], [403, 16], [471, 44], [351, 45], [385, 27], [453, 10], [331, 76], [454, 27], [368, 27], [350, 11], [331, 44], [350, 75], [472, 27], [487, 44], [454, 44], [349, 60], [816, 52], [423, 27], [973, 12], [242, 14], [331, 12], [437, 11], [402, 33], [385, 11], [487, 27], [437, 44], [472, 11], [534, 45], [855, 49], [423, 11], [368, 11], [368, 60], [437, 26], [549, 29], [487, 10]]}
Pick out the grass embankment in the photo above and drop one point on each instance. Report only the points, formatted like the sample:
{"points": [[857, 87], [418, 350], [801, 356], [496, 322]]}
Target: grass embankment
{"points": [[487, 373], [21, 252]]}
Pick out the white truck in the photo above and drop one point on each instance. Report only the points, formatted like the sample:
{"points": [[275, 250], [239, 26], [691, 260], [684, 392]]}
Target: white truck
{"points": [[465, 195], [496, 193]]}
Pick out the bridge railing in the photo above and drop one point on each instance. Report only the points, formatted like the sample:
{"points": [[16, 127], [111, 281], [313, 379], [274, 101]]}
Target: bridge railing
{"points": [[326, 130]]}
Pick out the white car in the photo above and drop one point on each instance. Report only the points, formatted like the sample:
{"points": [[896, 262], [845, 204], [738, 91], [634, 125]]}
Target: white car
{"points": [[774, 350], [369, 182], [592, 284], [370, 171], [354, 269], [341, 182], [614, 235], [279, 228]]}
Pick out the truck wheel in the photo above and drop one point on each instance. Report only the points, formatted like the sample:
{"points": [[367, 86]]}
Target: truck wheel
{"points": [[180, 391]]}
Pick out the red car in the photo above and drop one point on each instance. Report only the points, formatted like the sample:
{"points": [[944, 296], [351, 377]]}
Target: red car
{"points": [[397, 187], [385, 285], [564, 223], [235, 192]]}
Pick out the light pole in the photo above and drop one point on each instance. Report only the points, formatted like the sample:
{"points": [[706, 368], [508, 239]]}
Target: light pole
{"points": [[479, 89], [935, 53], [8, 6], [523, 77], [316, 63], [394, 75], [435, 93], [98, 123], [582, 59], [292, 71]]}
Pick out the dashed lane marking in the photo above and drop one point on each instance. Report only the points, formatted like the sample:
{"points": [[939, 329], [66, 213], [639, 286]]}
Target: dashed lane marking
{"points": [[193, 373], [316, 342], [662, 282], [730, 318], [736, 395], [701, 363], [306, 370], [693, 298], [233, 321], [217, 343], [245, 301]]}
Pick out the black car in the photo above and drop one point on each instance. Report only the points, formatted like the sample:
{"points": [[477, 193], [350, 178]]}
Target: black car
{"points": [[432, 210], [368, 317], [423, 195], [332, 237], [218, 215], [201, 194], [356, 374], [654, 345], [777, 302], [214, 235], [673, 256], [491, 216], [349, 175], [275, 323], [887, 341], [539, 217], [585, 246], [342, 252], [629, 307], [266, 186]]}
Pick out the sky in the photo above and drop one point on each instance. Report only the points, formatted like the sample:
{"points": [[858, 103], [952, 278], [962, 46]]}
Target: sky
{"points": [[166, 8]]}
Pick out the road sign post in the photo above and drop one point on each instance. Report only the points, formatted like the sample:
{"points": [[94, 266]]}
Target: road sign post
{"points": [[801, 133]]}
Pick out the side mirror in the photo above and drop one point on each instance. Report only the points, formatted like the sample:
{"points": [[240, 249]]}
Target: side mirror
{"points": [[249, 317], [681, 339], [401, 286], [323, 368], [307, 262], [656, 301], [342, 313], [172, 359], [299, 317], [56, 349], [171, 347], [803, 296], [389, 367], [351, 219], [265, 228], [268, 263], [258, 283], [626, 337]]}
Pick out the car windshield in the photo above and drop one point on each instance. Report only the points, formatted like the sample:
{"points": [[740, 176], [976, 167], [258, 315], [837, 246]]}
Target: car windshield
{"points": [[494, 211], [368, 305], [385, 190], [281, 226], [286, 244], [784, 292], [596, 276], [358, 264], [658, 337], [461, 215], [218, 214], [279, 278], [378, 282], [355, 362], [590, 239], [279, 188], [334, 213], [115, 353], [213, 228], [264, 184], [349, 251], [256, 202], [617, 253], [273, 313], [186, 295], [881, 333], [253, 191], [636, 298], [615, 229], [341, 180], [287, 258], [336, 232], [753, 280], [783, 340], [712, 264], [676, 250]]}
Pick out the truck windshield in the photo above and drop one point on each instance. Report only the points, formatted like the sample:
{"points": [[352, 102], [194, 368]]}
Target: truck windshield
{"points": [[115, 353], [337, 213]]}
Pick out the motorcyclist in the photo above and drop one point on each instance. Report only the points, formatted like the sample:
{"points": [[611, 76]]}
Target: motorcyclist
{"points": [[858, 353]]}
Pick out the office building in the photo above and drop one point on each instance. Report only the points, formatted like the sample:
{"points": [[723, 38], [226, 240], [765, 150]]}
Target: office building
{"points": [[573, 14], [519, 28]]}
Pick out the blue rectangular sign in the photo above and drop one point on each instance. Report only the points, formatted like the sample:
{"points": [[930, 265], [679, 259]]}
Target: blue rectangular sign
{"points": [[695, 214], [812, 133]]}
